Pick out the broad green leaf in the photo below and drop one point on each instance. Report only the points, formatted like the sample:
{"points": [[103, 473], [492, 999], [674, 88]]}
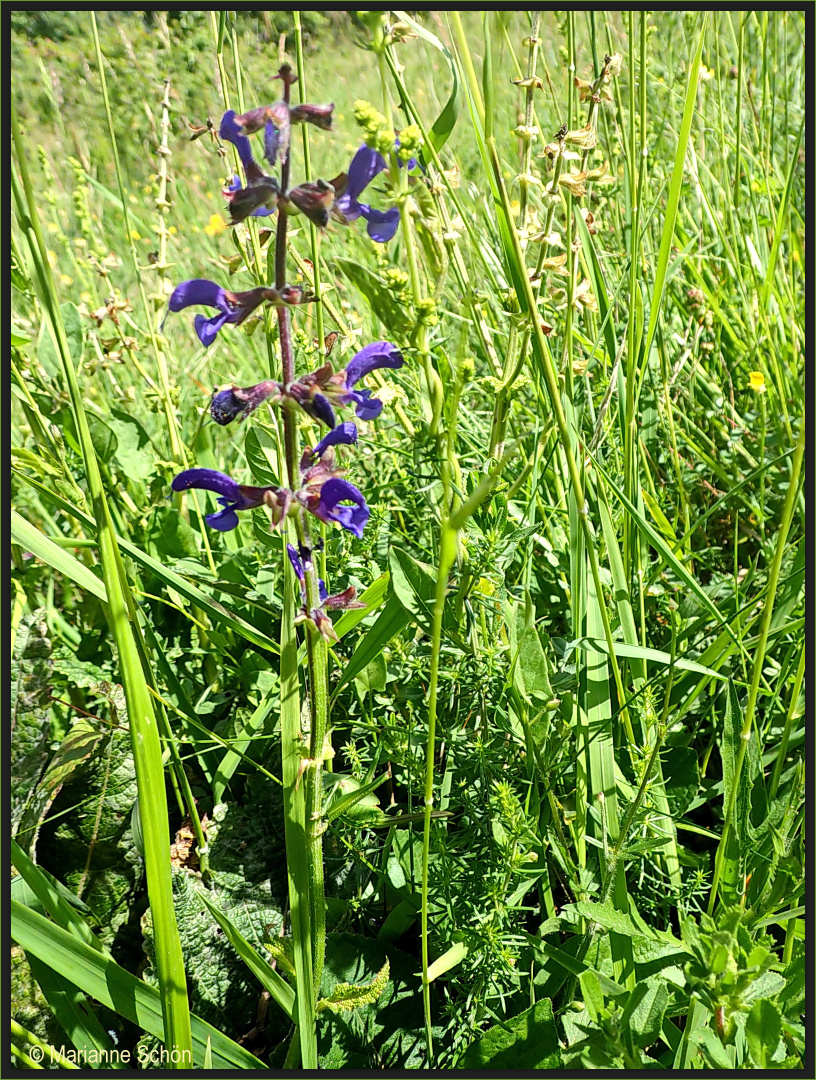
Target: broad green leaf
{"points": [[644, 1012], [133, 452], [103, 979], [261, 451], [763, 1030], [526, 1041], [610, 919]]}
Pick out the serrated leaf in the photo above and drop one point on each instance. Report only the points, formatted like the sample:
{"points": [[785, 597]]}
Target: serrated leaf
{"points": [[763, 1030]]}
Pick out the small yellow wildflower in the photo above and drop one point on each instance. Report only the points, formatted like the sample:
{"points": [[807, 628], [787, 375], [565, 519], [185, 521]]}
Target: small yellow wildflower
{"points": [[66, 280], [85, 297], [52, 226], [172, 230], [216, 225], [52, 259], [757, 382], [134, 235]]}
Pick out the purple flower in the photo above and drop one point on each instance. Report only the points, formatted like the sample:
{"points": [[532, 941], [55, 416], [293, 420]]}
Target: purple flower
{"points": [[258, 199], [344, 434], [202, 291], [232, 496], [233, 307], [232, 132], [319, 115], [365, 165], [379, 354], [240, 402], [326, 506]]}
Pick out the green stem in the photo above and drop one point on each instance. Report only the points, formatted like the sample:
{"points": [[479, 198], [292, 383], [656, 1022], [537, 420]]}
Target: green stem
{"points": [[447, 555]]}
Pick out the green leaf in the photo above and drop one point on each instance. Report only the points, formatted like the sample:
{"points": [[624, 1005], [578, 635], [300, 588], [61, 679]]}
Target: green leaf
{"points": [[47, 354], [531, 674], [763, 1030], [372, 598], [713, 1050], [642, 653], [31, 539], [266, 975], [103, 979], [133, 451], [673, 196], [381, 302], [261, 451], [644, 1011], [444, 123], [391, 620], [527, 1041], [616, 921]]}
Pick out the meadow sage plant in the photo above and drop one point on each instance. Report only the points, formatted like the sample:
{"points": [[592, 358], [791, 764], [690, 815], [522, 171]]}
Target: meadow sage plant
{"points": [[316, 490]]}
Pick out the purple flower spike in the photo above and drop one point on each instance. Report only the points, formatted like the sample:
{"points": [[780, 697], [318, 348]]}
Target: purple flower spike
{"points": [[344, 434], [328, 508], [230, 131]]}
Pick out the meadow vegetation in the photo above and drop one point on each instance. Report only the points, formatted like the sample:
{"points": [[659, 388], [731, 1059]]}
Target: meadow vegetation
{"points": [[534, 799]]}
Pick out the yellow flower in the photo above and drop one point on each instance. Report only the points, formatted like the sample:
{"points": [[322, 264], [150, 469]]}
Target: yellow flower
{"points": [[66, 280], [215, 226], [85, 297], [172, 230], [757, 382], [134, 235]]}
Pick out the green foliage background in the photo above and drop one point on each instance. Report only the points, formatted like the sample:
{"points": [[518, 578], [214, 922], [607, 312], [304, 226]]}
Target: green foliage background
{"points": [[542, 966]]}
